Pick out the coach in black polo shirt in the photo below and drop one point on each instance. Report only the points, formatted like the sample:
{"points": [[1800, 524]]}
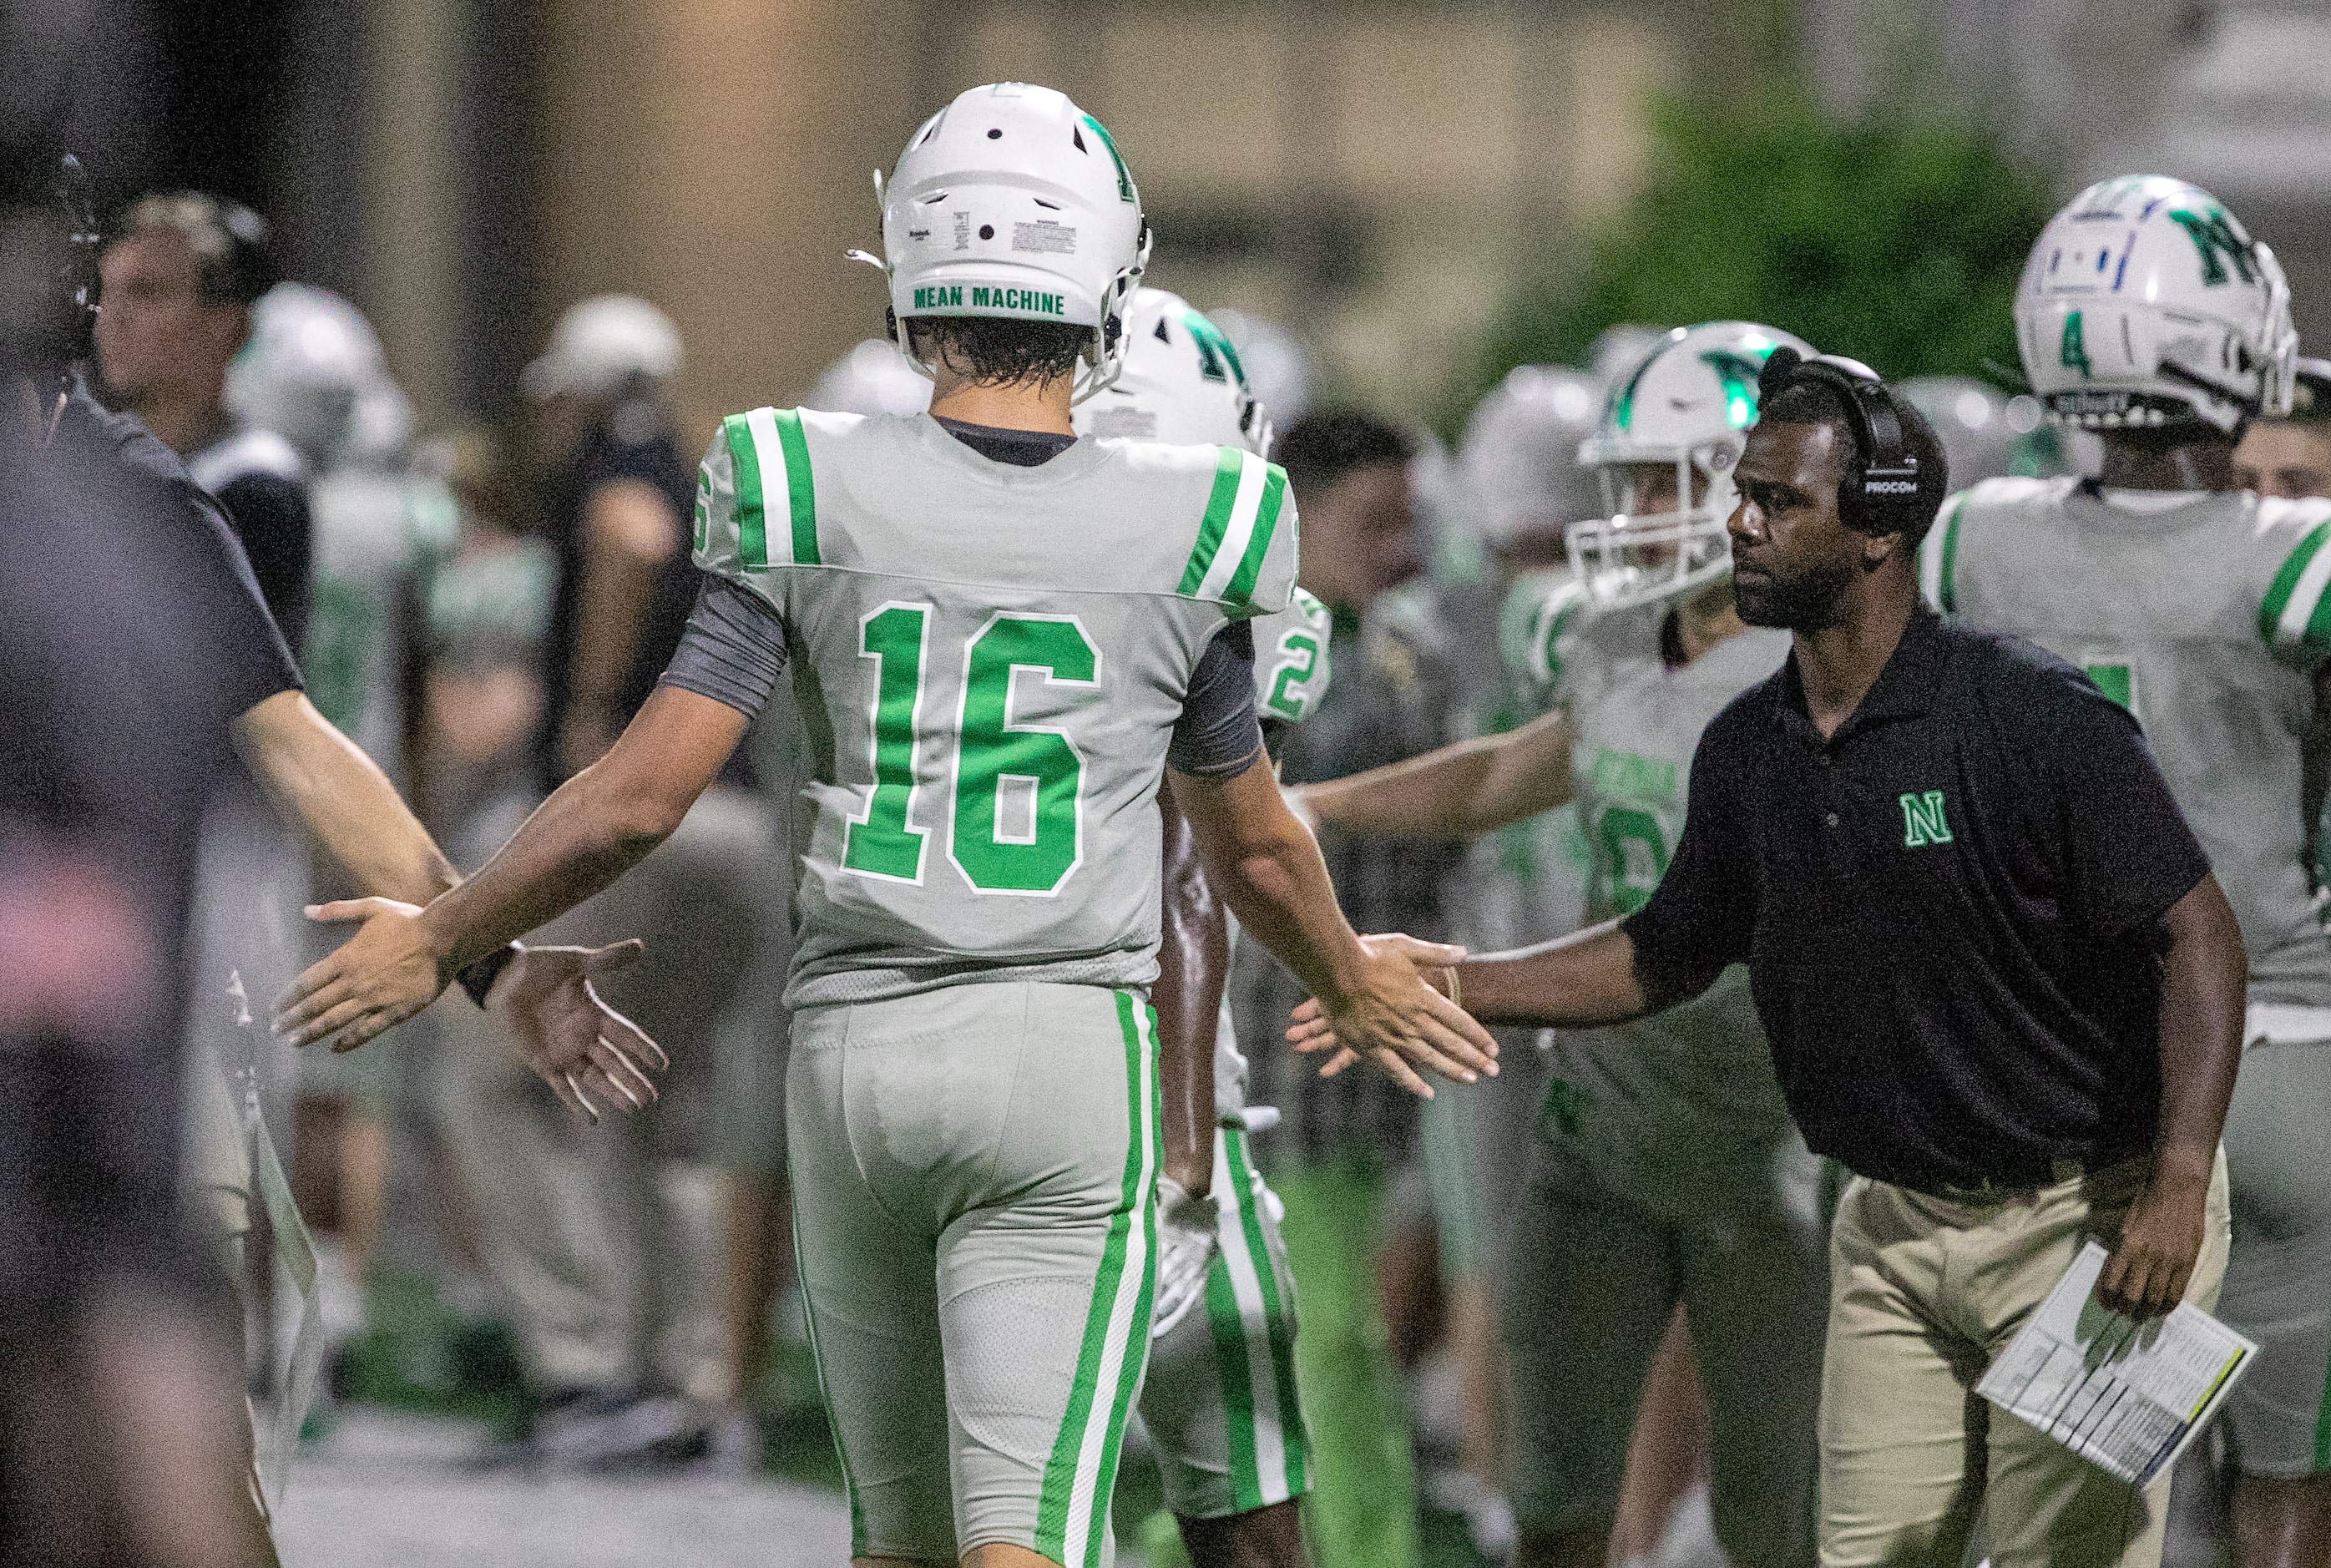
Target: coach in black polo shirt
{"points": [[2003, 988]]}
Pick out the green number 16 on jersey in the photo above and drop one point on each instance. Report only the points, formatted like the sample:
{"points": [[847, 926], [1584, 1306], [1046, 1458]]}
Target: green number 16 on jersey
{"points": [[1019, 786]]}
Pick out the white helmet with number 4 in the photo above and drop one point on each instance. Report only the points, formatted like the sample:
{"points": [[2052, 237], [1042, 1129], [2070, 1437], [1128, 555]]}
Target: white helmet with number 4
{"points": [[1182, 382], [1672, 429], [1011, 202], [2145, 303]]}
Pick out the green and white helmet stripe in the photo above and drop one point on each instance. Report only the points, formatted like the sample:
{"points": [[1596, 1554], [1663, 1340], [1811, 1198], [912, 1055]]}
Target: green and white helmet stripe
{"points": [[1688, 406], [1012, 202]]}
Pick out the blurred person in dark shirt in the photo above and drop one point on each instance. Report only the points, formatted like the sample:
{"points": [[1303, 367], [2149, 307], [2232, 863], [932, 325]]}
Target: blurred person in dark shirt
{"points": [[617, 494], [179, 283], [611, 1247]]}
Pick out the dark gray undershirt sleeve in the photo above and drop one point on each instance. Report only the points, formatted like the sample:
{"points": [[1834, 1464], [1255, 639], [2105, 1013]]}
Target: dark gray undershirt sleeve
{"points": [[1218, 735], [733, 651]]}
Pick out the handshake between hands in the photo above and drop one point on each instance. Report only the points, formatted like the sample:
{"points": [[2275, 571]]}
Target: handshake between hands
{"points": [[1399, 1017]]}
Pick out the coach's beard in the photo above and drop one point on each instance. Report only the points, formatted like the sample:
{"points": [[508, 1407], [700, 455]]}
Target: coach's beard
{"points": [[1805, 602]]}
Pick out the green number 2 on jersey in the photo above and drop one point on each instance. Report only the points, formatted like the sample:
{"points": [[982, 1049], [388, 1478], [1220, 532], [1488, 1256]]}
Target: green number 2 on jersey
{"points": [[1290, 690], [1018, 823]]}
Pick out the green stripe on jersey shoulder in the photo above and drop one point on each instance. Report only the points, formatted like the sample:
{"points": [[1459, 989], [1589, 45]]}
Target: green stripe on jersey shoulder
{"points": [[760, 442], [1229, 464], [1234, 536], [2293, 608], [751, 521]]}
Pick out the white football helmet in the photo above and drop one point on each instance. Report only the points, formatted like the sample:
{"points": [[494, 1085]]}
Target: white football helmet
{"points": [[603, 345], [870, 379], [1517, 467], [1182, 382], [2146, 303], [1012, 202], [313, 373], [1687, 406]]}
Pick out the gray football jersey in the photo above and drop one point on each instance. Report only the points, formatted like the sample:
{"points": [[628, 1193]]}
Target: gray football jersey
{"points": [[378, 533], [988, 662], [2206, 619], [1290, 677], [1685, 1100]]}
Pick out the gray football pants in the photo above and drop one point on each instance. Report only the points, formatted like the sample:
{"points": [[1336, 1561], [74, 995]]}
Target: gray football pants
{"points": [[974, 1174]]}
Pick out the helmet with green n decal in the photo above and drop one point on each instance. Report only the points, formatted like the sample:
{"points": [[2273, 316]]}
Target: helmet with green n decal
{"points": [[1672, 428], [1012, 203], [2146, 303], [1182, 382]]}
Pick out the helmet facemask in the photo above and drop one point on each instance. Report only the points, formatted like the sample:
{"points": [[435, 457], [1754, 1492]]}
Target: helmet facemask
{"points": [[1665, 537]]}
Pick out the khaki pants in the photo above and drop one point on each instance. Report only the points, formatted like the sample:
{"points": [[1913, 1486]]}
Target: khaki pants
{"points": [[1924, 1293], [608, 1239]]}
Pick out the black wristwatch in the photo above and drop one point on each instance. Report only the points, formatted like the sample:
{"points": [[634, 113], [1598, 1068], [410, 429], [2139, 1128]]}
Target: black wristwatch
{"points": [[479, 978]]}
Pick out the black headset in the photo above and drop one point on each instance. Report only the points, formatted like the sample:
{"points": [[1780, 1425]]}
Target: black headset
{"points": [[1880, 493]]}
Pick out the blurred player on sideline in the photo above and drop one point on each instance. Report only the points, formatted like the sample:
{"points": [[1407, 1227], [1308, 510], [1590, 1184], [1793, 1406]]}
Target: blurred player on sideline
{"points": [[613, 1245], [1000, 638], [1666, 1169], [1220, 1401], [1515, 484], [2289, 457], [2147, 314], [313, 374], [180, 281]]}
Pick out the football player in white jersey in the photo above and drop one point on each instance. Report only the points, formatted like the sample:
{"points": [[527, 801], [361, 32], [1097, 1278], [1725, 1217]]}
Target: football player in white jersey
{"points": [[1666, 1169], [1220, 1401], [2148, 314], [1002, 640]]}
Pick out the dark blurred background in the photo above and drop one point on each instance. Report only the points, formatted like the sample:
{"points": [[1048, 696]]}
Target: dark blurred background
{"points": [[1426, 193]]}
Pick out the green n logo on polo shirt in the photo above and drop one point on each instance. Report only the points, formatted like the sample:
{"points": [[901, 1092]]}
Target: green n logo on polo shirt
{"points": [[1923, 822]]}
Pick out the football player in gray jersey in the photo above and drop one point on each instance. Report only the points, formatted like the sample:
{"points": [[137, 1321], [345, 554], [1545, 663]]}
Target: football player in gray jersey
{"points": [[1219, 1400], [1667, 1168], [1002, 640], [2148, 314]]}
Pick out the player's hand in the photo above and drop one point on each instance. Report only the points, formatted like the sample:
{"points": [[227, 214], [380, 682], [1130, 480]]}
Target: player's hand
{"points": [[2160, 1240], [587, 1052], [378, 978], [1396, 1020], [1186, 1240]]}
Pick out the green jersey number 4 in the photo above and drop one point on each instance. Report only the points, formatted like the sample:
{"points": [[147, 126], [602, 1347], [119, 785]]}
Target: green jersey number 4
{"points": [[1019, 787]]}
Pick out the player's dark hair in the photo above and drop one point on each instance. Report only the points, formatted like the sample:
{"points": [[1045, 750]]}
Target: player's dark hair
{"points": [[234, 257], [1321, 448], [1805, 400], [999, 351]]}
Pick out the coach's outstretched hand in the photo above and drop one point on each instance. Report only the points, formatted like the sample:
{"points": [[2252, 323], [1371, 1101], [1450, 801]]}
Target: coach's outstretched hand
{"points": [[582, 1049], [1396, 1018]]}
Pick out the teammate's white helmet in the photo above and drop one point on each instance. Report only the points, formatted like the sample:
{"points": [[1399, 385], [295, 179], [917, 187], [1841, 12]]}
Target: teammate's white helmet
{"points": [[601, 345], [1687, 405], [1518, 466], [312, 364], [1182, 382], [1011, 202], [2145, 303], [870, 379]]}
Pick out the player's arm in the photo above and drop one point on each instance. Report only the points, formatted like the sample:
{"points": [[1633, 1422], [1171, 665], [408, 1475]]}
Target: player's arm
{"points": [[1457, 791], [316, 778], [1268, 867], [629, 535], [1588, 978], [1193, 963], [597, 825]]}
